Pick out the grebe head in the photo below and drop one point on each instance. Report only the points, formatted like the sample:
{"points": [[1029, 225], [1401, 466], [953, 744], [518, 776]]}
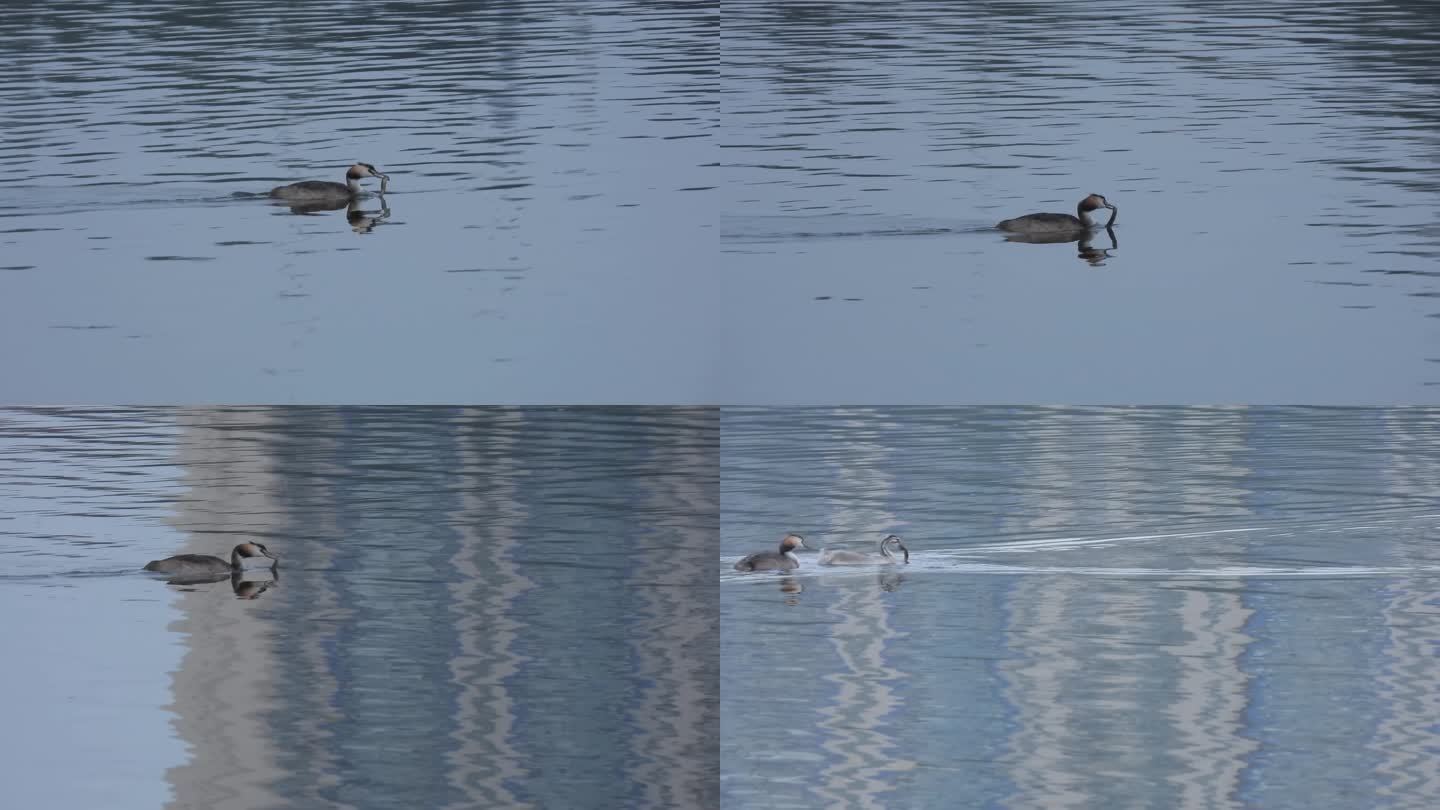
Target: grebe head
{"points": [[790, 542], [1093, 202], [892, 542], [249, 550], [362, 170]]}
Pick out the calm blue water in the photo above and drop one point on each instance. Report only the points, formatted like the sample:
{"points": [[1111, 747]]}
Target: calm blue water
{"points": [[1273, 167], [1189, 608], [561, 227], [549, 211], [468, 610]]}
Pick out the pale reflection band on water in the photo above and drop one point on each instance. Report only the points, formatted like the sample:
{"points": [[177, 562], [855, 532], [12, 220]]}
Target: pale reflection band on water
{"points": [[474, 607], [865, 761]]}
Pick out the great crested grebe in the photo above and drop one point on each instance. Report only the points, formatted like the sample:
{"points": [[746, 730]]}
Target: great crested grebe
{"points": [[782, 560], [207, 564], [886, 557], [1061, 223], [317, 190]]}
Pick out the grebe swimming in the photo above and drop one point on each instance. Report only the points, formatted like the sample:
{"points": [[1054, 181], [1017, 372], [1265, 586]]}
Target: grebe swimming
{"points": [[859, 558], [194, 564], [782, 560], [324, 190], [1061, 223]]}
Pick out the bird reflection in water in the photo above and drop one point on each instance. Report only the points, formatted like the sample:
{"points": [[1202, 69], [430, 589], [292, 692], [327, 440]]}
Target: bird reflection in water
{"points": [[252, 588], [890, 581], [361, 220], [792, 589], [1087, 251], [245, 584], [365, 221]]}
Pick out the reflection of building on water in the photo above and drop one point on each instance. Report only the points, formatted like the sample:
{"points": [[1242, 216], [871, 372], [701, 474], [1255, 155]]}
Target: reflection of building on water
{"points": [[1379, 690], [1403, 743], [467, 615], [1197, 681], [863, 760], [229, 667], [1174, 706], [1198, 687], [485, 762], [1079, 644], [676, 638]]}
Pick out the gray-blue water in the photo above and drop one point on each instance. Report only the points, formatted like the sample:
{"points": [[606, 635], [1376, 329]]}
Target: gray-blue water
{"points": [[473, 608], [1181, 608], [561, 228], [1274, 166], [549, 212]]}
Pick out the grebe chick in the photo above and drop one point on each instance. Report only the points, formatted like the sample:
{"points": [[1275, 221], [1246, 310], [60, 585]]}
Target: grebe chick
{"points": [[207, 564], [1061, 223], [782, 560], [314, 190], [887, 557]]}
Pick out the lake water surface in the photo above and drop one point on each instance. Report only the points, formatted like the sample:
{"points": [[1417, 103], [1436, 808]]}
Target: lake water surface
{"points": [[1274, 168], [1185, 608], [549, 211], [473, 608], [555, 222]]}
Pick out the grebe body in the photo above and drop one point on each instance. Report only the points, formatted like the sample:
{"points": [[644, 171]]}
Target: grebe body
{"points": [[200, 564], [325, 191], [887, 555], [1061, 223], [782, 560]]}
